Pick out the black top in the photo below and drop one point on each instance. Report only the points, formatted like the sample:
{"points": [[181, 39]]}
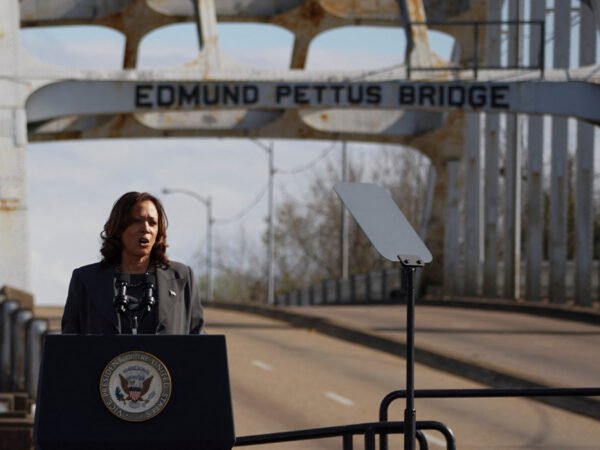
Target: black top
{"points": [[90, 307]]}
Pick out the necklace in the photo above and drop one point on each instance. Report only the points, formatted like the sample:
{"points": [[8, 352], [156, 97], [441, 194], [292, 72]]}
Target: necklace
{"points": [[119, 270], [139, 283], [139, 276]]}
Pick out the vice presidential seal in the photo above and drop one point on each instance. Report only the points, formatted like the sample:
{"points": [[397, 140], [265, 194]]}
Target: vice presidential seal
{"points": [[135, 386]]}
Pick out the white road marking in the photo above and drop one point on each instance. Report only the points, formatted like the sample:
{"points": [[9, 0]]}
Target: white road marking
{"points": [[262, 365], [338, 398], [435, 441]]}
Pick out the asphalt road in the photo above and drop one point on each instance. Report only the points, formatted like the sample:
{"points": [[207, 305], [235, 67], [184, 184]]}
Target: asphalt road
{"points": [[557, 353], [286, 378]]}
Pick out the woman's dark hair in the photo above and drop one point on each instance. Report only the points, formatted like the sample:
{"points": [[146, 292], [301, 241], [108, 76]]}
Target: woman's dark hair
{"points": [[120, 218]]}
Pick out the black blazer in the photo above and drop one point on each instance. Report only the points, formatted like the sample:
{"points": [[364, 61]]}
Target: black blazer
{"points": [[89, 308]]}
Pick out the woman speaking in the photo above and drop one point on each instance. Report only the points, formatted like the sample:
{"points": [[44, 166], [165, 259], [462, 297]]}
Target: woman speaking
{"points": [[134, 288]]}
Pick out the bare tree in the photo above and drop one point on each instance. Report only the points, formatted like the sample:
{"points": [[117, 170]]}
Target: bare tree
{"points": [[308, 232], [308, 227]]}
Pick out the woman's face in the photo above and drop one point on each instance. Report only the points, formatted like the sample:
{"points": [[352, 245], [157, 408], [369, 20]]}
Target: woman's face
{"points": [[140, 235]]}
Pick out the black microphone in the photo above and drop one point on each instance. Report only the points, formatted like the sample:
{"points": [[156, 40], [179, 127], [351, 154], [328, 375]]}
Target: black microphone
{"points": [[148, 301], [120, 301]]}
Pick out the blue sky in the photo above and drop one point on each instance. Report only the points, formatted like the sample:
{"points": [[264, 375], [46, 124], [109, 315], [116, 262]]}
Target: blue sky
{"points": [[73, 184]]}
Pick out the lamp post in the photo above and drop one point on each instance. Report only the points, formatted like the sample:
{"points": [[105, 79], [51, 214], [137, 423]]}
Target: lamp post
{"points": [[271, 235], [206, 201]]}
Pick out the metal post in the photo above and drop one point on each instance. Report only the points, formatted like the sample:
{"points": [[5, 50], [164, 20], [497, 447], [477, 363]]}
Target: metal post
{"points": [[271, 244], [7, 308], [427, 201], [543, 49], [198, 18], [557, 245], [535, 165], [410, 43], [475, 50], [35, 335], [491, 163], [206, 24], [344, 219], [18, 328], [472, 203], [410, 427], [584, 195], [512, 226], [451, 229]]}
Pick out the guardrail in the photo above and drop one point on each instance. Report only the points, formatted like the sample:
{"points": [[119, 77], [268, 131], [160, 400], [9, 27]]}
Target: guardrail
{"points": [[347, 432], [381, 286], [7, 307], [21, 341], [376, 286], [478, 393]]}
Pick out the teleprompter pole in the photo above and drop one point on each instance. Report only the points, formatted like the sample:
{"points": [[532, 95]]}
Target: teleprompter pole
{"points": [[409, 412], [396, 240]]}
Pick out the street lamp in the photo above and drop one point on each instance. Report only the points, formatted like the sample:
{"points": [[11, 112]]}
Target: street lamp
{"points": [[206, 201], [271, 237]]}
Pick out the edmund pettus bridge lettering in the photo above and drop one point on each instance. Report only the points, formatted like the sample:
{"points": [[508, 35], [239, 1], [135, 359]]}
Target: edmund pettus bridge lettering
{"points": [[128, 96], [292, 95]]}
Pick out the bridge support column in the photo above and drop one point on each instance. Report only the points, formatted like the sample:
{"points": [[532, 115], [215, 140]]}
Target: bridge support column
{"points": [[472, 203], [534, 251], [512, 210], [557, 245], [14, 249], [512, 177], [491, 166], [451, 229], [584, 195], [535, 209]]}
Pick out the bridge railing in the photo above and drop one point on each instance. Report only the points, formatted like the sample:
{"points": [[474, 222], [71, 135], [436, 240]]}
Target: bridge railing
{"points": [[376, 286], [21, 341], [16, 418], [381, 286]]}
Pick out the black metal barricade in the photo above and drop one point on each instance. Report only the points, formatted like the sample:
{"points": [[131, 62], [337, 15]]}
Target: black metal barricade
{"points": [[347, 432]]}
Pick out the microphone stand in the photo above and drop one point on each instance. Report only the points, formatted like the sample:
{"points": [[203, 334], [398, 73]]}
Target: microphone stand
{"points": [[129, 306], [134, 327], [148, 300], [121, 300]]}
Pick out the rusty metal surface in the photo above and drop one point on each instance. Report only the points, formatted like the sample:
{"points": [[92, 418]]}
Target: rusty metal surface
{"points": [[86, 10], [444, 9], [34, 11]]}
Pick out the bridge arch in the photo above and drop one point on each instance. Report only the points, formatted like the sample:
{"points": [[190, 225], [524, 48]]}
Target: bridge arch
{"points": [[41, 105]]}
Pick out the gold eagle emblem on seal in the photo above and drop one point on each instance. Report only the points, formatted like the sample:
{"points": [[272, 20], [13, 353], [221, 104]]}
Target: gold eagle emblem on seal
{"points": [[135, 386]]}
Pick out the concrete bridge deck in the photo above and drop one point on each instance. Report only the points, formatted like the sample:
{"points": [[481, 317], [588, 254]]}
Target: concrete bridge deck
{"points": [[512, 348]]}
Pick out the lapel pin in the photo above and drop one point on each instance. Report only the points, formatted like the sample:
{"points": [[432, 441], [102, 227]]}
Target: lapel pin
{"points": [[172, 292]]}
